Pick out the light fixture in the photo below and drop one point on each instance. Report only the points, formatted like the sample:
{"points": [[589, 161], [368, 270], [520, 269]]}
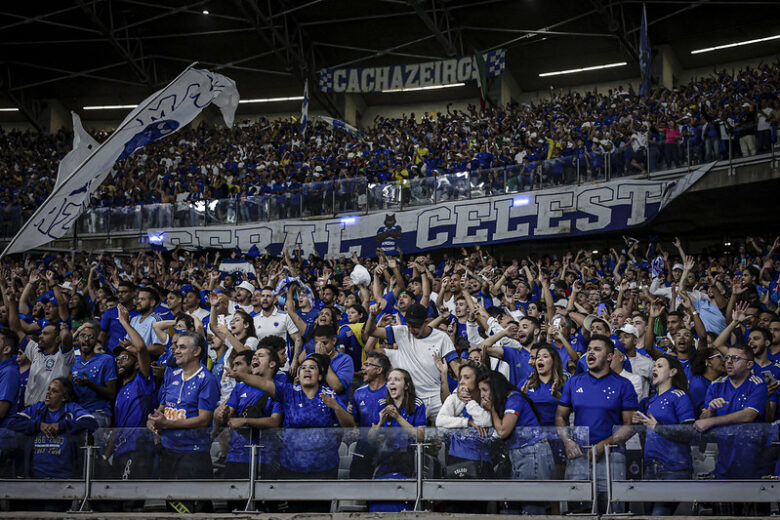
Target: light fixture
{"points": [[348, 220], [9, 109], [520, 201], [727, 244], [431, 87], [736, 44], [595, 251], [108, 107], [271, 100], [584, 69], [205, 11]]}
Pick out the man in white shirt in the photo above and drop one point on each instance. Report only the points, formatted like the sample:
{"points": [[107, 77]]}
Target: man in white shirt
{"points": [[270, 321], [640, 365], [640, 384], [419, 348], [191, 304], [244, 292], [146, 301]]}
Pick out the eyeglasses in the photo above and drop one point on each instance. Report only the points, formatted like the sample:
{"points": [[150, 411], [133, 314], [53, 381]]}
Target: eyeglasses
{"points": [[87, 336], [734, 358], [367, 364], [123, 357]]}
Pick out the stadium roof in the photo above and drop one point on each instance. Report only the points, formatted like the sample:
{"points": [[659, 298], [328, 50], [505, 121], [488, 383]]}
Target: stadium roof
{"points": [[95, 51]]}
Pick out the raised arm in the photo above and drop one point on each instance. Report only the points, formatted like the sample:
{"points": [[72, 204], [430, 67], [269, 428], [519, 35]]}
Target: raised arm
{"points": [[144, 359]]}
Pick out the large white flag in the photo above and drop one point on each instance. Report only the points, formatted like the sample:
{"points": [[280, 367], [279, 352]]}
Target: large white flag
{"points": [[83, 170]]}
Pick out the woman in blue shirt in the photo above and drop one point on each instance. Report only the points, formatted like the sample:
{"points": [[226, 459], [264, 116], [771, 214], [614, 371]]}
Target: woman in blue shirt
{"points": [[310, 446], [544, 389], [667, 453], [516, 421], [53, 443]]}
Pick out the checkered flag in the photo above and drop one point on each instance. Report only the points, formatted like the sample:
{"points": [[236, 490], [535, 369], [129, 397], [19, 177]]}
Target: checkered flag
{"points": [[326, 80], [496, 62]]}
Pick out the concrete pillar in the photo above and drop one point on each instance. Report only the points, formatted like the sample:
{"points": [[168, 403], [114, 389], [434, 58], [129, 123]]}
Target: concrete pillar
{"points": [[54, 115], [670, 66], [510, 90], [354, 107]]}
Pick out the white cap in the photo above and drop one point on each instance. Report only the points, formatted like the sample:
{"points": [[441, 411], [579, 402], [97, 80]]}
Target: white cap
{"points": [[563, 302], [677, 266], [246, 286], [67, 286], [629, 329]]}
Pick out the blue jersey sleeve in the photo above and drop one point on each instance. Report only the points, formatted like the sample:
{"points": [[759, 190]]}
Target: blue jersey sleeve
{"points": [[232, 400], [419, 418], [565, 399], [758, 397], [9, 386], [683, 408], [344, 369], [209, 394], [109, 369], [712, 393], [390, 334], [105, 320]]}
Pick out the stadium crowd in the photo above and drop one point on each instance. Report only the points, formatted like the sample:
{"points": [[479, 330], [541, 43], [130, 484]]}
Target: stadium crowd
{"points": [[541, 143], [169, 347]]}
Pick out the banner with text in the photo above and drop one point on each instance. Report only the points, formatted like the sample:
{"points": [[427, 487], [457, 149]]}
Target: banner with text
{"points": [[549, 213], [411, 75]]}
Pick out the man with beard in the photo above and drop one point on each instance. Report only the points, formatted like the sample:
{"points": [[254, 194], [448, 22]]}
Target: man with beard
{"points": [[768, 370], [600, 399], [774, 348], [93, 376], [132, 447], [364, 407], [111, 330], [146, 303], [270, 321], [419, 348], [191, 303], [243, 295], [516, 358]]}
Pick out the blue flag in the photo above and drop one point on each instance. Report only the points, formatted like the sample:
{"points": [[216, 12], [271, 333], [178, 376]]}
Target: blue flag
{"points": [[645, 56]]}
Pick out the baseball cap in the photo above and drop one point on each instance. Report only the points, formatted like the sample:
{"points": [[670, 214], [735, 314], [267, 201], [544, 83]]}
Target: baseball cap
{"points": [[677, 266], [416, 314], [629, 329], [563, 302]]}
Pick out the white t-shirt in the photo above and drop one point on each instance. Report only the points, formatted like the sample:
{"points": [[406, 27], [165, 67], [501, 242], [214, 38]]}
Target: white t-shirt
{"points": [[198, 313], [44, 369], [277, 324], [415, 355]]}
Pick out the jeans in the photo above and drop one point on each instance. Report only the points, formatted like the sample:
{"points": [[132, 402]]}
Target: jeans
{"points": [[655, 470], [579, 469], [712, 149], [533, 462]]}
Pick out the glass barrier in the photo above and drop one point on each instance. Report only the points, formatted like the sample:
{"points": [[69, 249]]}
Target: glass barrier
{"points": [[362, 194]]}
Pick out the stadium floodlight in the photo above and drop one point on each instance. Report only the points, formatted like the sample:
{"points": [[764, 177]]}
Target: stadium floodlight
{"points": [[735, 44], [205, 11], [520, 201], [431, 87], [348, 220], [584, 69], [271, 100], [9, 109], [108, 107]]}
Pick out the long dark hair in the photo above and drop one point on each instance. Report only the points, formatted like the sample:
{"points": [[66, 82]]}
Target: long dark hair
{"points": [[500, 388], [250, 328], [679, 380], [82, 308], [410, 393], [323, 364], [558, 375], [68, 392]]}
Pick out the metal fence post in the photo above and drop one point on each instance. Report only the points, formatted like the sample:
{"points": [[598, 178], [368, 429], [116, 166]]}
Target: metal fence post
{"points": [[419, 447], [84, 506], [608, 471], [579, 179], [250, 503]]}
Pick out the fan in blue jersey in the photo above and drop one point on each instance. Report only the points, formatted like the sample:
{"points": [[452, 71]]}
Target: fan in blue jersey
{"points": [[111, 330], [389, 235], [350, 338], [516, 421], [760, 340], [310, 446], [188, 398], [9, 399], [341, 368], [667, 453], [706, 367], [52, 427], [774, 329], [600, 400], [94, 376], [517, 358], [739, 398], [399, 423], [365, 407], [249, 410], [544, 387]]}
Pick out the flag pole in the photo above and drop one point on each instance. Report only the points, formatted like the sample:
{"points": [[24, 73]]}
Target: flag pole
{"points": [[85, 161]]}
